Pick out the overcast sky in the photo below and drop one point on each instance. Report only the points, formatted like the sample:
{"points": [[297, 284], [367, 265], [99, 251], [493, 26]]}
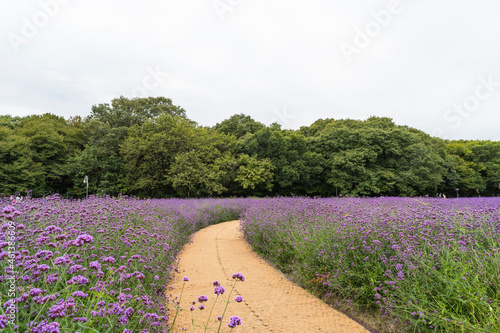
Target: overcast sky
{"points": [[432, 65]]}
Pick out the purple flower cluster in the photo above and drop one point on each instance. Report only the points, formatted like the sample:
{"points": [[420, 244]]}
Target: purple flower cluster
{"points": [[44, 327], [62, 308], [219, 290], [238, 276], [82, 239], [202, 299], [234, 321]]}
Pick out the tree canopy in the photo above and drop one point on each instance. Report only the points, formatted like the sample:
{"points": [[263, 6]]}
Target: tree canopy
{"points": [[148, 147]]}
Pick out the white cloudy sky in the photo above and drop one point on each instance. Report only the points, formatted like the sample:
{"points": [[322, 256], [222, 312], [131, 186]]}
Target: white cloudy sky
{"points": [[279, 60]]}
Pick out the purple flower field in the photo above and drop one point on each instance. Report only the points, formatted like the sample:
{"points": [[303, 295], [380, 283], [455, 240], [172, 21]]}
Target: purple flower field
{"points": [[95, 265], [428, 264], [103, 264]]}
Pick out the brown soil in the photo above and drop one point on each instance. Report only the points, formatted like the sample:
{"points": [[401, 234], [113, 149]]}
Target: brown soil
{"points": [[271, 302]]}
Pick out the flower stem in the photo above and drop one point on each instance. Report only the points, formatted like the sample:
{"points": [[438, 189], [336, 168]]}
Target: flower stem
{"points": [[227, 303], [178, 307], [210, 315]]}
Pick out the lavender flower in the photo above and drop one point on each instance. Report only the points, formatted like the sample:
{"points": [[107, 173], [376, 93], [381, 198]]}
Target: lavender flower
{"points": [[109, 259], [43, 327], [8, 209], [62, 260], [95, 265], [238, 276], [35, 292], [75, 268], [78, 279], [3, 321], [202, 298], [79, 294], [80, 319], [219, 290], [82, 239], [234, 321]]}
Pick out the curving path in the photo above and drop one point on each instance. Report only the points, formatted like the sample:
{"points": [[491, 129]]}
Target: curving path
{"points": [[271, 302]]}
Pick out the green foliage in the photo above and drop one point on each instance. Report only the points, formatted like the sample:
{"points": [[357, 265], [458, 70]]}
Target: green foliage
{"points": [[107, 128], [296, 169], [124, 112], [253, 172], [34, 154], [9, 121], [239, 125], [377, 157], [148, 147], [190, 175], [476, 166], [18, 171]]}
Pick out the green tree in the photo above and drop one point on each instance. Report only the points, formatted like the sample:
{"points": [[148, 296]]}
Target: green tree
{"points": [[51, 140], [377, 157], [200, 171], [255, 174], [18, 171], [124, 112], [34, 153], [239, 125], [9, 121], [476, 167], [149, 151], [297, 171], [189, 176], [107, 128]]}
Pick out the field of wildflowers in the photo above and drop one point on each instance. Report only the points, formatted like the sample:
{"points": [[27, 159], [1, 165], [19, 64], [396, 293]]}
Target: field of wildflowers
{"points": [[102, 264], [423, 264], [95, 265]]}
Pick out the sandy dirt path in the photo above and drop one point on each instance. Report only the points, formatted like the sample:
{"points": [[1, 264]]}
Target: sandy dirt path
{"points": [[271, 302]]}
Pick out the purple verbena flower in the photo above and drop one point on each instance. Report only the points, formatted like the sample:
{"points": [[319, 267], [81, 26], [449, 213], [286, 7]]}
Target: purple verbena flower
{"points": [[109, 259], [62, 260], [82, 239], [75, 268], [79, 294], [238, 276], [219, 290], [35, 292], [3, 321], [95, 265], [8, 209], [234, 321], [78, 279]]}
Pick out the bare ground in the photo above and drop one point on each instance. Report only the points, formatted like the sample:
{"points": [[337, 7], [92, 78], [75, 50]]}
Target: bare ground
{"points": [[271, 302]]}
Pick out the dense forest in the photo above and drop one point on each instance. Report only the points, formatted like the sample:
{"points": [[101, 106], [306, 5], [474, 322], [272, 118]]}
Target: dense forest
{"points": [[148, 147]]}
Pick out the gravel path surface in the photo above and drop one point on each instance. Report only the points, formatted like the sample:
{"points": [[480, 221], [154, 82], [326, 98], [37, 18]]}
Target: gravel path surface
{"points": [[271, 302]]}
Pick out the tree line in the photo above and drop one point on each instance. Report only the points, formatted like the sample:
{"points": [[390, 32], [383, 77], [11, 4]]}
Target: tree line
{"points": [[148, 147]]}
